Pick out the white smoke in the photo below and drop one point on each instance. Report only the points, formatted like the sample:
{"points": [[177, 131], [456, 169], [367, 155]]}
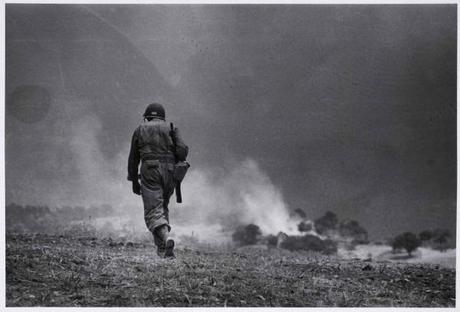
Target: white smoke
{"points": [[228, 198], [96, 181]]}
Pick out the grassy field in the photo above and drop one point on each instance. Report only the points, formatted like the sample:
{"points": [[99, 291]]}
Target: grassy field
{"points": [[64, 270]]}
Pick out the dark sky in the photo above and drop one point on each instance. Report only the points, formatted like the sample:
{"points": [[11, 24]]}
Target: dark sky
{"points": [[348, 108]]}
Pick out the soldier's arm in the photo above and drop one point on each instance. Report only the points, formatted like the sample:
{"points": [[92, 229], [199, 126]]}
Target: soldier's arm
{"points": [[181, 148], [134, 158]]}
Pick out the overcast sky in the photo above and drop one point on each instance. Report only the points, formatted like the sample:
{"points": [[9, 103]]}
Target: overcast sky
{"points": [[348, 108]]}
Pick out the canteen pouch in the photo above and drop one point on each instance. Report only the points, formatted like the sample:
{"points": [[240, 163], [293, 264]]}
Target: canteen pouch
{"points": [[180, 169]]}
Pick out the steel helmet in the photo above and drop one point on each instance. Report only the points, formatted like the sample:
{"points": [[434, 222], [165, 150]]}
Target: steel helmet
{"points": [[155, 110]]}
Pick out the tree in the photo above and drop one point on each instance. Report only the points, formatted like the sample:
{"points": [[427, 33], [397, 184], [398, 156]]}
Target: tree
{"points": [[425, 235], [408, 241], [440, 236], [327, 222], [351, 228], [300, 213], [246, 235], [441, 239]]}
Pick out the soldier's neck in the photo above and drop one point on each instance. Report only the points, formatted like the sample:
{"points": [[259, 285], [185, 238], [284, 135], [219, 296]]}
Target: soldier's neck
{"points": [[155, 119]]}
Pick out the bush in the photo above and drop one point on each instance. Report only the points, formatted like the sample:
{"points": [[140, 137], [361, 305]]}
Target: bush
{"points": [[246, 235], [309, 242], [352, 229], [272, 240], [408, 241], [304, 226], [327, 222]]}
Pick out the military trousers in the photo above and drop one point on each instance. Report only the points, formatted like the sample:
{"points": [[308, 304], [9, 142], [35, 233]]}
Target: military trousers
{"points": [[157, 186]]}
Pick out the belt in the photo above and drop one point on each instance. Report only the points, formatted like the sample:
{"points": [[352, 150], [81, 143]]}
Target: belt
{"points": [[160, 158]]}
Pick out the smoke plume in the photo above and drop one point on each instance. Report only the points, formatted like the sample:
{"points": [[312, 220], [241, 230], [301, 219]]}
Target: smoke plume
{"points": [[234, 196]]}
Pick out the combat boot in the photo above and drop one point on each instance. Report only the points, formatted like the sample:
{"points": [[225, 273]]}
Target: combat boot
{"points": [[167, 248], [159, 243], [161, 251]]}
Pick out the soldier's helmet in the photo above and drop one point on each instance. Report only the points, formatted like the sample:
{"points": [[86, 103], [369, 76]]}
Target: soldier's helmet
{"points": [[155, 110]]}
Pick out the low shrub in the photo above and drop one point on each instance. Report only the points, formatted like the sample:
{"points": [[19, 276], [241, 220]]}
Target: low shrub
{"points": [[246, 235], [309, 242]]}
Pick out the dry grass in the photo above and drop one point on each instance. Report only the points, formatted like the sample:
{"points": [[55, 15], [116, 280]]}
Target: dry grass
{"points": [[52, 270]]}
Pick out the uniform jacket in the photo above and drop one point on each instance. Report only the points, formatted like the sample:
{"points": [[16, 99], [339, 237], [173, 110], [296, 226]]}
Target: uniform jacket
{"points": [[152, 140]]}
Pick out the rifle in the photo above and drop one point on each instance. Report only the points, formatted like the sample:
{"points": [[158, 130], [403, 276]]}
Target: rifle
{"points": [[178, 183]]}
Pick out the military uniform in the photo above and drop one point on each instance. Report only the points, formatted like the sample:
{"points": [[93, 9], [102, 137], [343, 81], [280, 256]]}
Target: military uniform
{"points": [[153, 145]]}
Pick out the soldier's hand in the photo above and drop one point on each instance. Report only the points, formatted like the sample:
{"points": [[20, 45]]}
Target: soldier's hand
{"points": [[136, 187]]}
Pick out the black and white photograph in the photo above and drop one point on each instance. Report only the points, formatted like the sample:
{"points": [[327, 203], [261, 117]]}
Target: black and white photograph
{"points": [[230, 155]]}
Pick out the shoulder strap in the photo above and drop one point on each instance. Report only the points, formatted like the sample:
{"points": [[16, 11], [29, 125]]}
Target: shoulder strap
{"points": [[173, 138]]}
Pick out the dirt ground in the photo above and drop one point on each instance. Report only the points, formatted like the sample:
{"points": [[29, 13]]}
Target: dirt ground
{"points": [[61, 270]]}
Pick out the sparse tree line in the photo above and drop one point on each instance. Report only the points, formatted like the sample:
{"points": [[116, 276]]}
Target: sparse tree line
{"points": [[327, 232], [323, 234], [41, 218]]}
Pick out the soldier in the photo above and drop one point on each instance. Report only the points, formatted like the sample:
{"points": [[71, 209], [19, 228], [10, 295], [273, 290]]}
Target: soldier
{"points": [[153, 143]]}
